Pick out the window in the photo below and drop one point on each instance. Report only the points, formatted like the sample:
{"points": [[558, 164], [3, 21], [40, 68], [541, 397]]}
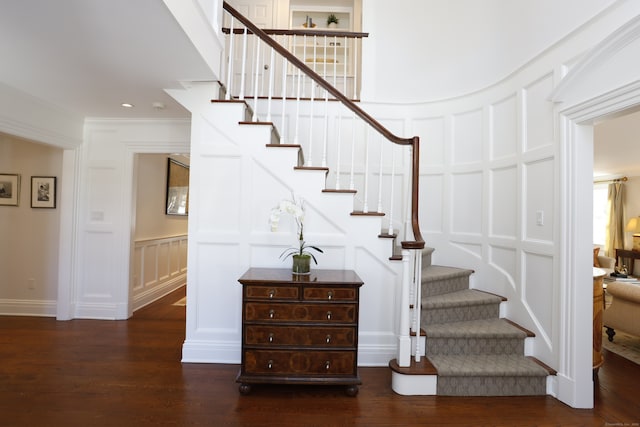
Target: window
{"points": [[600, 213]]}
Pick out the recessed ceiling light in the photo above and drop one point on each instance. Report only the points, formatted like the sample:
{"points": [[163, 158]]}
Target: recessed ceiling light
{"points": [[126, 105]]}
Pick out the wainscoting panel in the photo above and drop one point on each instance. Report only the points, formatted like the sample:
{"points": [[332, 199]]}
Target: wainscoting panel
{"points": [[159, 268], [538, 114], [467, 137], [466, 196], [504, 128], [504, 202]]}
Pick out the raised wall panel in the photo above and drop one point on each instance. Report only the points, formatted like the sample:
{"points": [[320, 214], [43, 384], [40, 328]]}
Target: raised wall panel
{"points": [[150, 266], [225, 175], [218, 291], [466, 203], [538, 288], [98, 280], [431, 203], [505, 260], [432, 143], [467, 137], [539, 196], [164, 261], [538, 114], [504, 128], [504, 202]]}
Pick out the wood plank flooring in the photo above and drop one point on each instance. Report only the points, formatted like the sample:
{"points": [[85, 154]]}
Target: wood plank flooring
{"points": [[128, 373]]}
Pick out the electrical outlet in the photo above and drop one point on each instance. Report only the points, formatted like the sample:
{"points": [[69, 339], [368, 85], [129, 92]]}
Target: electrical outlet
{"points": [[31, 284]]}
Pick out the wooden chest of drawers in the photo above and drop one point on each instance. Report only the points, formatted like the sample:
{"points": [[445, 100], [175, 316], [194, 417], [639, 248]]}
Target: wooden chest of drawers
{"points": [[299, 329]]}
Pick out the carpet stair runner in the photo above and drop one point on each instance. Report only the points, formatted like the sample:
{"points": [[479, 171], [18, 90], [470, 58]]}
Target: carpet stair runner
{"points": [[475, 352]]}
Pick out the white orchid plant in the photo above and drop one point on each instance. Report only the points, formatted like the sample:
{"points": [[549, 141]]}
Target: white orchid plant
{"points": [[295, 208]]}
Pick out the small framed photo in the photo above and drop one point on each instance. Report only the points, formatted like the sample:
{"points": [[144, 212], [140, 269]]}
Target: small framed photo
{"points": [[43, 192], [9, 189]]}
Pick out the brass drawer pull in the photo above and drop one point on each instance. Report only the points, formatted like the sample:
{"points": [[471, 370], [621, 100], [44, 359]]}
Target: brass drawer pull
{"points": [[272, 293], [272, 313], [327, 365], [271, 337], [328, 315], [270, 364], [328, 339], [330, 295]]}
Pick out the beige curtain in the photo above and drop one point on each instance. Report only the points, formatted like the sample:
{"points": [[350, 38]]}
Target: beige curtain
{"points": [[614, 237]]}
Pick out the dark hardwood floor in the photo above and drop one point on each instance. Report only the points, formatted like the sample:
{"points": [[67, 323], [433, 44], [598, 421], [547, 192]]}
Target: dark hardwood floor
{"points": [[128, 373]]}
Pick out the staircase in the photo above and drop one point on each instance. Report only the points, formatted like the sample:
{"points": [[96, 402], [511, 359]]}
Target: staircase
{"points": [[470, 350]]}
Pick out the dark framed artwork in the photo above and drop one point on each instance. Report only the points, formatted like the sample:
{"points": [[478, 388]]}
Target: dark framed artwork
{"points": [[177, 188], [9, 189], [43, 192]]}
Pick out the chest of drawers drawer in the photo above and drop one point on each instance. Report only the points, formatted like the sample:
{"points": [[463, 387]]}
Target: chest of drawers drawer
{"points": [[280, 312], [319, 336], [307, 363]]}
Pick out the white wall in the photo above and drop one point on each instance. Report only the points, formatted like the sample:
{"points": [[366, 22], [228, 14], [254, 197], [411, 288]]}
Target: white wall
{"points": [[29, 248], [151, 220], [427, 50]]}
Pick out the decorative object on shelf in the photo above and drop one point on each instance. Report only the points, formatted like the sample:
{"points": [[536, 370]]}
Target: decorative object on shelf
{"points": [[43, 192], [309, 23], [300, 254], [332, 20], [9, 189]]}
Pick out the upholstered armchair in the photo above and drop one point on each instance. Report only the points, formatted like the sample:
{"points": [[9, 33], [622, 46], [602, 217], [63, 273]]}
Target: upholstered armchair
{"points": [[624, 311], [607, 264]]}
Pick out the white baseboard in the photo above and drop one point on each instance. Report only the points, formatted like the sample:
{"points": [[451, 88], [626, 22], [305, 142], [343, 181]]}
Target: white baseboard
{"points": [[19, 307], [150, 295]]}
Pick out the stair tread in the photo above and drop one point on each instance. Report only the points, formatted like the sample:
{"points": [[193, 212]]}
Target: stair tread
{"points": [[487, 365], [483, 328], [465, 297], [441, 272]]}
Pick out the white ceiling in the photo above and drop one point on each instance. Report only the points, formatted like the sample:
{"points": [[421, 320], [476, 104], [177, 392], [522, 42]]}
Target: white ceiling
{"points": [[89, 56]]}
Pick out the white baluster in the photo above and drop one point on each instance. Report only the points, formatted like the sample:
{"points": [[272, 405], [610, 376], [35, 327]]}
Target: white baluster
{"points": [[335, 60], [257, 78], [326, 111], [296, 139], [365, 207], [345, 91], [244, 64], [231, 56], [393, 187], [355, 68], [352, 185], [304, 59], [270, 89], [339, 154], [309, 161], [379, 209], [283, 132]]}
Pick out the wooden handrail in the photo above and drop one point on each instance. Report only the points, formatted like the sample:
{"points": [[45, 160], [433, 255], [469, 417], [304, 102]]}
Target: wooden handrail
{"points": [[300, 32], [414, 141]]}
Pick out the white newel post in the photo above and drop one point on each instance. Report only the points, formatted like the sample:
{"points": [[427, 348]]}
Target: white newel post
{"points": [[404, 340]]}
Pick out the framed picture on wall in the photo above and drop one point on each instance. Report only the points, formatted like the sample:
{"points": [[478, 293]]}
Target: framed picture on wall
{"points": [[43, 192], [177, 188], [9, 189]]}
